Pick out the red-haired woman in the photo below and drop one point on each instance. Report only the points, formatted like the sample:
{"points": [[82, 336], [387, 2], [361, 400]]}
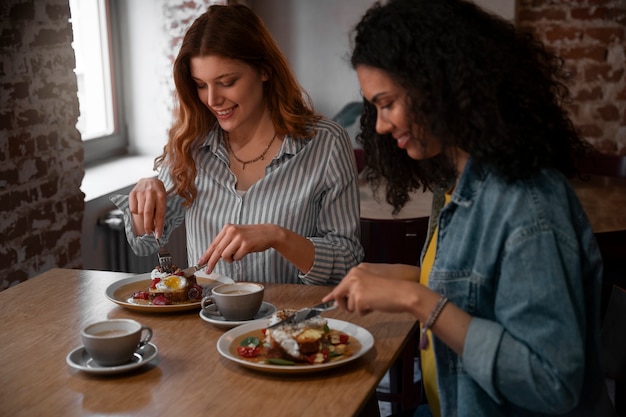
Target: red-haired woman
{"points": [[263, 182]]}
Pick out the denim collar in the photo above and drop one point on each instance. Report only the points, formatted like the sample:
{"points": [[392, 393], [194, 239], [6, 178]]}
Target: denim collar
{"points": [[470, 184]]}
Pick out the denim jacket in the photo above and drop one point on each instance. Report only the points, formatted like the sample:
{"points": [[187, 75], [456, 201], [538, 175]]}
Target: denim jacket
{"points": [[521, 258]]}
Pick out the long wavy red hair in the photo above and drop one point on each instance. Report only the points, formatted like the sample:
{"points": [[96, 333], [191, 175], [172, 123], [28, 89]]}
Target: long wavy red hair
{"points": [[233, 32]]}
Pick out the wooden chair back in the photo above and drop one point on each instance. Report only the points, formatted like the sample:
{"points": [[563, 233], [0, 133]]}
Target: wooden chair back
{"points": [[393, 240], [604, 165], [398, 241], [359, 155], [613, 344]]}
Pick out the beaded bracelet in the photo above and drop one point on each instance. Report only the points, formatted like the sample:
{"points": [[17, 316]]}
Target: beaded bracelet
{"points": [[431, 320]]}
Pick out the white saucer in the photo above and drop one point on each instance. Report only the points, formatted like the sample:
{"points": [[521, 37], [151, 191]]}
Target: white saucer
{"points": [[265, 311], [80, 359]]}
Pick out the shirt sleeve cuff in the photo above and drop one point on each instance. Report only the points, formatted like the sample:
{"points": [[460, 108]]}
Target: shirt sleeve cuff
{"points": [[323, 265]]}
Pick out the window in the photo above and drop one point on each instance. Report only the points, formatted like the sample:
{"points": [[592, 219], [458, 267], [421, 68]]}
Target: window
{"points": [[97, 60]]}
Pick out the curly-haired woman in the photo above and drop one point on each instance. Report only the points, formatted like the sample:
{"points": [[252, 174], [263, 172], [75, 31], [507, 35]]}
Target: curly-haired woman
{"points": [[262, 182], [460, 102]]}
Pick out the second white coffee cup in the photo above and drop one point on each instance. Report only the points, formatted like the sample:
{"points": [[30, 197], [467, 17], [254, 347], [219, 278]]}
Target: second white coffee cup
{"points": [[236, 301]]}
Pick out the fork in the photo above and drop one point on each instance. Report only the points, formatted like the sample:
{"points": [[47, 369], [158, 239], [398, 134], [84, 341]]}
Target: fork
{"points": [[165, 258], [306, 313]]}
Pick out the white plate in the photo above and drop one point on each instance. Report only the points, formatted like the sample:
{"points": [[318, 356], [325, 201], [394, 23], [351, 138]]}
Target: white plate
{"points": [[120, 292], [364, 337], [265, 312], [80, 359]]}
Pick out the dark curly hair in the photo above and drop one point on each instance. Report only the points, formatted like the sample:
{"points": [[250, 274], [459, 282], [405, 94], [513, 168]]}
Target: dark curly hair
{"points": [[474, 82]]}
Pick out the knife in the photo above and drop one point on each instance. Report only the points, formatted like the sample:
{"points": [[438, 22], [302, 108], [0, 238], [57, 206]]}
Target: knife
{"points": [[306, 313], [192, 270]]}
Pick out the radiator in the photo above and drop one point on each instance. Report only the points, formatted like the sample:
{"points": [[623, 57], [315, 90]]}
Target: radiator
{"points": [[121, 257]]}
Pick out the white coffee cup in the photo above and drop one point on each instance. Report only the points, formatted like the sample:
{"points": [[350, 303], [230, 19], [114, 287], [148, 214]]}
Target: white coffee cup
{"points": [[115, 341], [236, 301]]}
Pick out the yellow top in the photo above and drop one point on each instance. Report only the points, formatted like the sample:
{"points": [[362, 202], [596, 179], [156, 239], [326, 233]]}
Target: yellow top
{"points": [[429, 367]]}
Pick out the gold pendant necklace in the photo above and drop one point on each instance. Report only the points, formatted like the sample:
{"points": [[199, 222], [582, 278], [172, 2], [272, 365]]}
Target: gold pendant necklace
{"points": [[258, 158]]}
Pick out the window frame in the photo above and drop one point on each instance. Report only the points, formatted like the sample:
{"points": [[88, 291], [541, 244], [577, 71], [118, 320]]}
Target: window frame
{"points": [[115, 144]]}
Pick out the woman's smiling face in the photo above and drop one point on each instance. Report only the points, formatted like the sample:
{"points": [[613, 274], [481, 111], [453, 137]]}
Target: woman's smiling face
{"points": [[232, 90], [390, 100]]}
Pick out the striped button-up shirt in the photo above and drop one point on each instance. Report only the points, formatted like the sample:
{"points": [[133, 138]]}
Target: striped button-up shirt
{"points": [[310, 188]]}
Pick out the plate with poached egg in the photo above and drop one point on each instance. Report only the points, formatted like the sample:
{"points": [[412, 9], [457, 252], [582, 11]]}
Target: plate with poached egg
{"points": [[122, 291]]}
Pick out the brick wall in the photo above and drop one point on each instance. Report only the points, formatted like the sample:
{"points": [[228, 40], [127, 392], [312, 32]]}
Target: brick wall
{"points": [[591, 36], [178, 15], [41, 154]]}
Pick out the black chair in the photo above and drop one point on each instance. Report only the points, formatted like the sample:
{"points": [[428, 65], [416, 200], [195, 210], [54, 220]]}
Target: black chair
{"points": [[405, 389], [393, 240], [398, 241], [359, 155], [613, 344], [603, 164], [612, 244]]}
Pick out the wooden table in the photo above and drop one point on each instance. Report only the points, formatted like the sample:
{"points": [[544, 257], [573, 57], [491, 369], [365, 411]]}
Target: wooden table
{"points": [[40, 321], [604, 201]]}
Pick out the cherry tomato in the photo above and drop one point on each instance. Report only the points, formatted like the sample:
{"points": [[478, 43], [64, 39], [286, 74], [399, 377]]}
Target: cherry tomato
{"points": [[141, 295], [248, 351], [338, 339], [160, 300], [325, 353], [155, 281], [319, 357]]}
